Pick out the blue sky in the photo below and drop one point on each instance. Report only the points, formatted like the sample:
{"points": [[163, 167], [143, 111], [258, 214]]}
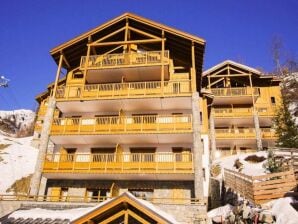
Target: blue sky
{"points": [[240, 30]]}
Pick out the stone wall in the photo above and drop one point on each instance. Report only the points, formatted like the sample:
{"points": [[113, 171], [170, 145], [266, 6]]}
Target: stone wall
{"points": [[185, 214]]}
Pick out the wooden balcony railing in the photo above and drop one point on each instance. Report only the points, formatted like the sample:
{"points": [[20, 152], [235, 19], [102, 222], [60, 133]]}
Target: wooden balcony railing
{"points": [[146, 58], [124, 163], [243, 133], [241, 91], [232, 112], [124, 90], [268, 133], [95, 199], [266, 111], [123, 125]]}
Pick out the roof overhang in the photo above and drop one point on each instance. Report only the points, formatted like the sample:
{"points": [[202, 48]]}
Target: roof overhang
{"points": [[179, 43]]}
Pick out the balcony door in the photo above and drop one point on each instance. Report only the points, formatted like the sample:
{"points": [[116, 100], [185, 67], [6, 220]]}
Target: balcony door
{"points": [[142, 154], [182, 154], [104, 154]]}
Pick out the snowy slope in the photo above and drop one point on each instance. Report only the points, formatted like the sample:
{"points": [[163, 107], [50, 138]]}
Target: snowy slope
{"points": [[18, 160]]}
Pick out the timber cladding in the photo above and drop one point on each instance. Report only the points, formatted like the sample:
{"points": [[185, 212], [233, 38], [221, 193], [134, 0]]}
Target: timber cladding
{"points": [[260, 189]]}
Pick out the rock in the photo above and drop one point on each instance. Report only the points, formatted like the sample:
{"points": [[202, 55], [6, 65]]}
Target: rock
{"points": [[266, 217]]}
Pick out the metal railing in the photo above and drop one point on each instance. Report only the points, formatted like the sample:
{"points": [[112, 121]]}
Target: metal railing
{"points": [[125, 124], [124, 90], [235, 91], [119, 163], [124, 59]]}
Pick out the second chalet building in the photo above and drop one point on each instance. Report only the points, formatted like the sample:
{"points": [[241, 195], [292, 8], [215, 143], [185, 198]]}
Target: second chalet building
{"points": [[135, 113]]}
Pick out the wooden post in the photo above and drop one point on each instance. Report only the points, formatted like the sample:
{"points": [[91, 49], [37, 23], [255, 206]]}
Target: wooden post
{"points": [[86, 62], [193, 65], [162, 62], [57, 75]]}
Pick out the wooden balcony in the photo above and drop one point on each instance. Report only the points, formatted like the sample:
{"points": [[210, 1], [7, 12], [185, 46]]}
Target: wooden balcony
{"points": [[122, 125], [228, 92], [247, 133], [266, 111], [124, 163], [124, 90], [244, 133], [232, 112], [133, 59], [268, 133], [228, 96]]}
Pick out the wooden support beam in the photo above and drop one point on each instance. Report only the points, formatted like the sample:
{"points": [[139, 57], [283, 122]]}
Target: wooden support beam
{"points": [[162, 62], [137, 217], [65, 60], [144, 33], [227, 75], [126, 42], [114, 49], [57, 75], [113, 217], [213, 83], [193, 66], [252, 92], [86, 63], [126, 217], [107, 36]]}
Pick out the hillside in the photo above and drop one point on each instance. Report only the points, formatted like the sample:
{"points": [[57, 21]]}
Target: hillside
{"points": [[17, 157], [17, 123]]}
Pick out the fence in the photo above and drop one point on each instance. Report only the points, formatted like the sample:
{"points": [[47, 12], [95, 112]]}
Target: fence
{"points": [[260, 189]]}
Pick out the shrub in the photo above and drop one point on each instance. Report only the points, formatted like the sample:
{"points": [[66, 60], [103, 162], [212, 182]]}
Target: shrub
{"points": [[255, 159]]}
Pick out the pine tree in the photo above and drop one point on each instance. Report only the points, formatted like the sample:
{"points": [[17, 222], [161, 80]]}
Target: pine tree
{"points": [[285, 127]]}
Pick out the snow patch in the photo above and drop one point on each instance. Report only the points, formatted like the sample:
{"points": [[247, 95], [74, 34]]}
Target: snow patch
{"points": [[19, 160], [251, 169]]}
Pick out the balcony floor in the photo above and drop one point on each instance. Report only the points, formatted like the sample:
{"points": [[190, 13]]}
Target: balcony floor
{"points": [[124, 139], [117, 176], [139, 104]]}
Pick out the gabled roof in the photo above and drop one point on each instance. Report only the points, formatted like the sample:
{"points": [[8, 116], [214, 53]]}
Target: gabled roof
{"points": [[230, 62], [178, 42], [131, 16], [126, 202]]}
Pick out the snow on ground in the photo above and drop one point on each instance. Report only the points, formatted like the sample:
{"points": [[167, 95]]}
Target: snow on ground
{"points": [[18, 160], [251, 169], [284, 212]]}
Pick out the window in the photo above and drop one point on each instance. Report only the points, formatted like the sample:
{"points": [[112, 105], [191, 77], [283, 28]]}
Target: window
{"points": [[272, 100], [142, 193], [78, 76]]}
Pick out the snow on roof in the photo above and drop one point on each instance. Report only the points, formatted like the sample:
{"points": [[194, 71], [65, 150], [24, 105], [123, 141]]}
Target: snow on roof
{"points": [[75, 213], [226, 62], [144, 203], [40, 213]]}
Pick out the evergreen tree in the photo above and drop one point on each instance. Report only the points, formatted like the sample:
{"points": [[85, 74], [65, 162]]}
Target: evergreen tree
{"points": [[285, 127]]}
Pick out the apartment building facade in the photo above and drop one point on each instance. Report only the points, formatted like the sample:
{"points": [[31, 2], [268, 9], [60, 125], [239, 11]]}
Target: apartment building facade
{"points": [[128, 116]]}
